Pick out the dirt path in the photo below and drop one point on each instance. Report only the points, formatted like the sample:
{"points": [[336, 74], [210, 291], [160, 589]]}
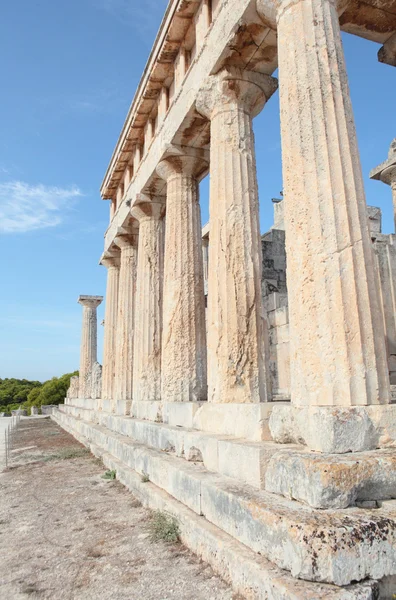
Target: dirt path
{"points": [[66, 533]]}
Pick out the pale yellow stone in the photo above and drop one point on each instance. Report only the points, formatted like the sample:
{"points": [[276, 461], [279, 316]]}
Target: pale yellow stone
{"points": [[148, 305], [236, 369], [184, 336], [113, 273], [337, 348], [125, 323]]}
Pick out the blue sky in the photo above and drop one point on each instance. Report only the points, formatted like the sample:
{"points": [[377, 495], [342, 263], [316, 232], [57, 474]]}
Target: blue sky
{"points": [[69, 71]]}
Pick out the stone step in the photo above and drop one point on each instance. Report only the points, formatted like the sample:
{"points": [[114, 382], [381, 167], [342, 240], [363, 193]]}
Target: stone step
{"points": [[325, 546], [251, 575], [241, 459], [319, 480]]}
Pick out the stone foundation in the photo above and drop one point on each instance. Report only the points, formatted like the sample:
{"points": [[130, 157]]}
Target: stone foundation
{"points": [[242, 524]]}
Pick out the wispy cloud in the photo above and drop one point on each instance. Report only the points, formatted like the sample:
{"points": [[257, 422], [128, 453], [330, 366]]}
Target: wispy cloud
{"points": [[139, 15], [25, 207]]}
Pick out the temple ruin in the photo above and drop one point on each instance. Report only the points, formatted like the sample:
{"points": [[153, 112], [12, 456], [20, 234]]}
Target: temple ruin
{"points": [[251, 377]]}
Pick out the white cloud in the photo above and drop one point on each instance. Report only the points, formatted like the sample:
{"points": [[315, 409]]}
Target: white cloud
{"points": [[25, 207]]}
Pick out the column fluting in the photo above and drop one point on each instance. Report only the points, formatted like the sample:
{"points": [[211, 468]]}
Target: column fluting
{"points": [[236, 367], [337, 345], [148, 310], [183, 362], [113, 273], [122, 399]]}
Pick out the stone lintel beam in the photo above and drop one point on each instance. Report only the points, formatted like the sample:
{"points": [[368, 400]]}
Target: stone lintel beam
{"points": [[183, 359], [387, 54], [236, 362], [149, 212]]}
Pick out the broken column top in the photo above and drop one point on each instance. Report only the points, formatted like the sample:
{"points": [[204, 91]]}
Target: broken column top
{"points": [[386, 171], [91, 301]]}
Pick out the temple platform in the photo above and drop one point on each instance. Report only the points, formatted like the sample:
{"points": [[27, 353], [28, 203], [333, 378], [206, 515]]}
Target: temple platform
{"points": [[266, 545]]}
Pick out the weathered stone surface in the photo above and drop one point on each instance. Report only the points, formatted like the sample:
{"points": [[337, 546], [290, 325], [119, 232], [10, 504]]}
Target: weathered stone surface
{"points": [[148, 305], [183, 360], [332, 546], [125, 321], [332, 481], [236, 367], [251, 575], [88, 351], [72, 392], [334, 430], [337, 347], [110, 327]]}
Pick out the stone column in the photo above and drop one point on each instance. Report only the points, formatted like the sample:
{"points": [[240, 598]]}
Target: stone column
{"points": [[125, 322], [183, 360], [236, 370], [386, 172], [89, 340], [113, 272], [337, 345], [148, 312]]}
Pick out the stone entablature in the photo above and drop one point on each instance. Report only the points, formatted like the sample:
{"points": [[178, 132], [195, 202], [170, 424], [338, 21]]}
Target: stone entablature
{"points": [[198, 38]]}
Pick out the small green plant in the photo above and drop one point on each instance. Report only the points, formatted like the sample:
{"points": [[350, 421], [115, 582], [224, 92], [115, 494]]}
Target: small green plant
{"points": [[164, 527], [145, 477], [109, 474]]}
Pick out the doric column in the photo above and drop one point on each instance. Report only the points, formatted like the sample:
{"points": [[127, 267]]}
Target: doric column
{"points": [[89, 340], [236, 370], [125, 322], [337, 346], [183, 362], [112, 265], [148, 311], [386, 172]]}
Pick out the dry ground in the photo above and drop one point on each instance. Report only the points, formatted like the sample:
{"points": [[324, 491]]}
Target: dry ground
{"points": [[66, 533]]}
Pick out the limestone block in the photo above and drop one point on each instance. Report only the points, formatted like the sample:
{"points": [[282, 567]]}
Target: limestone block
{"points": [[239, 420], [34, 411], [147, 410], [332, 481], [334, 430]]}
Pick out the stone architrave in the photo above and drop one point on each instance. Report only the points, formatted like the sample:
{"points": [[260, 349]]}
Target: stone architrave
{"points": [[236, 368], [123, 368], [89, 337], [183, 362], [113, 274], [337, 345], [386, 172], [148, 312]]}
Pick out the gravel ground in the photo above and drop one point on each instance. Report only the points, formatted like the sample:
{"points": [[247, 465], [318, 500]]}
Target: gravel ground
{"points": [[67, 533]]}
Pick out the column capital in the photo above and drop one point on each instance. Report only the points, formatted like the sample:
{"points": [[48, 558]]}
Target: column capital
{"points": [[126, 241], [148, 207], [110, 262], [386, 171], [90, 301], [183, 160], [234, 88]]}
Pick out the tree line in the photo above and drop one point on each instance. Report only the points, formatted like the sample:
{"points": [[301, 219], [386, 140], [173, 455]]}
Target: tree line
{"points": [[22, 393]]}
